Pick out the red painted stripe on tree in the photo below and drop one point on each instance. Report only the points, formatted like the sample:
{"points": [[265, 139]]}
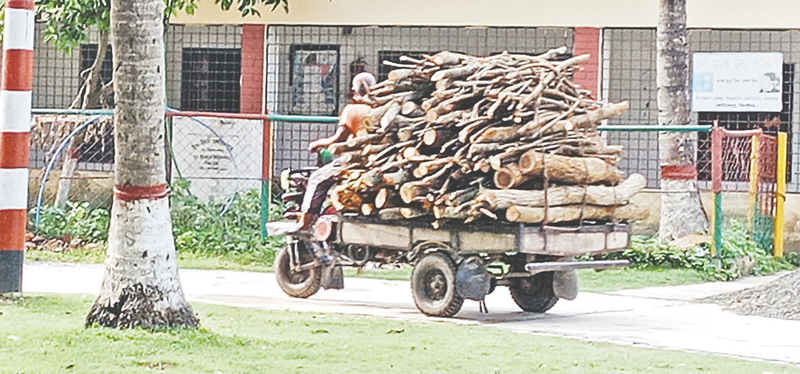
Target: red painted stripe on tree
{"points": [[12, 236], [678, 172], [20, 4], [14, 148], [17, 70], [134, 193]]}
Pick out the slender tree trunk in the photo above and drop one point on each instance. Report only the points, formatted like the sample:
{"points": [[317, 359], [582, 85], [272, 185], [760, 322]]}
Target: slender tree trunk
{"points": [[681, 212], [90, 96], [141, 286]]}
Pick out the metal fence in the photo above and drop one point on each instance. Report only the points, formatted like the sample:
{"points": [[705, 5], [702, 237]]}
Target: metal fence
{"points": [[629, 73]]}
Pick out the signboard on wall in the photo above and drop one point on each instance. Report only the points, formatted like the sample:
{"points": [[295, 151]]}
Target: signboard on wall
{"points": [[220, 157], [737, 82]]}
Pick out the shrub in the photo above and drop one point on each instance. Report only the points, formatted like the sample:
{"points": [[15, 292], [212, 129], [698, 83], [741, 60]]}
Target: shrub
{"points": [[647, 251]]}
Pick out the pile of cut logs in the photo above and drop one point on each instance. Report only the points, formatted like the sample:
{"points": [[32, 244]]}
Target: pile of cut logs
{"points": [[507, 137]]}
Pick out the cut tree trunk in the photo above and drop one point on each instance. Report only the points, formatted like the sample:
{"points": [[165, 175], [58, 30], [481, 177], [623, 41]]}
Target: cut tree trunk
{"points": [[570, 213], [141, 286], [564, 195], [564, 169]]}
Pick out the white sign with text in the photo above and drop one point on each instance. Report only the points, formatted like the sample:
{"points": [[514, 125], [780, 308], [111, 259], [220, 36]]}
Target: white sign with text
{"points": [[737, 82]]}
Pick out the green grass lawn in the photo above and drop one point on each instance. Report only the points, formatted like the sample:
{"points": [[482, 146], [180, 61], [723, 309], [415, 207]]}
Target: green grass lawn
{"points": [[46, 335]]}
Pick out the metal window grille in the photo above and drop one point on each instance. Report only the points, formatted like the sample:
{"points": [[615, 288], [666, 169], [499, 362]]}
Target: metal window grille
{"points": [[210, 79], [222, 77], [364, 48]]}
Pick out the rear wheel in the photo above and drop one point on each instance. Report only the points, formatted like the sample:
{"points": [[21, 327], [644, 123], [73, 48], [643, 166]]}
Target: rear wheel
{"points": [[299, 284], [534, 294], [433, 286]]}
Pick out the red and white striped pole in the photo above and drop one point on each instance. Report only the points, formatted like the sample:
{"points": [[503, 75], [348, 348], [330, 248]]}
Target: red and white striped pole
{"points": [[15, 124]]}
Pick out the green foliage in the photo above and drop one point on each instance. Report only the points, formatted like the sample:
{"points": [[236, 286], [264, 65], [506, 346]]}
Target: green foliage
{"points": [[78, 220], [738, 248], [247, 7], [201, 229]]}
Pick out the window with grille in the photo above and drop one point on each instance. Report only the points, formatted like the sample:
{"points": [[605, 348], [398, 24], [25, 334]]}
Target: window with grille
{"points": [[210, 79], [314, 79]]}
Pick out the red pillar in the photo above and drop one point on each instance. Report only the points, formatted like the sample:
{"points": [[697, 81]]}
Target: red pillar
{"points": [[587, 41], [15, 123], [252, 90]]}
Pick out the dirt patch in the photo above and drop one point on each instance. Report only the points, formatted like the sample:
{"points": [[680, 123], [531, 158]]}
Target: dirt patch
{"points": [[777, 299]]}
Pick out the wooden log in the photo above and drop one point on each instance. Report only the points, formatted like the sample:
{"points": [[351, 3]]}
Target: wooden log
{"points": [[410, 152], [448, 58], [480, 150], [354, 157], [390, 214], [455, 73], [449, 212], [428, 167], [339, 148], [374, 148], [457, 198], [409, 108], [564, 169], [509, 176], [397, 178], [400, 74], [499, 135], [389, 116], [345, 199], [583, 121], [411, 190], [371, 178], [360, 141], [564, 195], [435, 138], [571, 213], [455, 102], [367, 209], [409, 212], [383, 198]]}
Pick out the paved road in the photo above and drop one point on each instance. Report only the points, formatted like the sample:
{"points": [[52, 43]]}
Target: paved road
{"points": [[662, 317]]}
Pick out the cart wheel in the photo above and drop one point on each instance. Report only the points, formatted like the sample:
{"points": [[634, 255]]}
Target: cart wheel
{"points": [[300, 284], [433, 286], [534, 294]]}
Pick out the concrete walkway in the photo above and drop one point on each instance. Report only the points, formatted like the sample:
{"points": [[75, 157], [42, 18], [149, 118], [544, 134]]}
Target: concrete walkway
{"points": [[661, 317]]}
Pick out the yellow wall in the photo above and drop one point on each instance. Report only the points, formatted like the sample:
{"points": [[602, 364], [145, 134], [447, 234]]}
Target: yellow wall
{"points": [[771, 14]]}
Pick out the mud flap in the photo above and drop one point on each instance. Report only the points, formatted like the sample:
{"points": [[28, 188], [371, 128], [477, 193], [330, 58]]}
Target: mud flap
{"points": [[332, 277], [565, 284], [472, 279]]}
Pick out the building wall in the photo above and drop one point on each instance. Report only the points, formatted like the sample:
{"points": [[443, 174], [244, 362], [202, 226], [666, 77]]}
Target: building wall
{"points": [[773, 14]]}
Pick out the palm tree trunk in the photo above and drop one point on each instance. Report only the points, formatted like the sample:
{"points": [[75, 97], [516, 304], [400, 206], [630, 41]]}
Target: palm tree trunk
{"points": [[681, 212], [141, 286]]}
